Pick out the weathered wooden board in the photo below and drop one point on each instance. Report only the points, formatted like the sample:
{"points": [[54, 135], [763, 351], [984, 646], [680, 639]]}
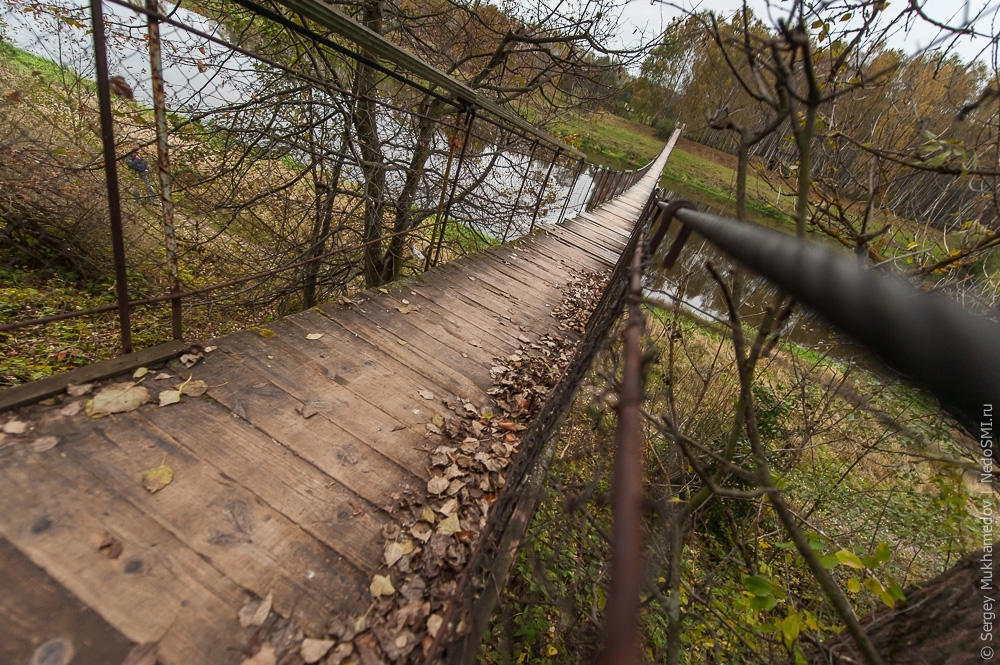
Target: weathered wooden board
{"points": [[286, 471]]}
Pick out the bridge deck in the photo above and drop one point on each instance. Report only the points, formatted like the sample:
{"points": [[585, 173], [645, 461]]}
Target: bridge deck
{"points": [[264, 500]]}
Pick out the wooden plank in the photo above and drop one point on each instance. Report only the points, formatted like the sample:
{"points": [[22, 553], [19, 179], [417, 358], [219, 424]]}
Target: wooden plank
{"points": [[35, 609], [446, 365], [593, 245], [53, 385], [214, 516], [572, 257], [318, 440], [603, 256], [299, 490], [157, 590], [354, 400]]}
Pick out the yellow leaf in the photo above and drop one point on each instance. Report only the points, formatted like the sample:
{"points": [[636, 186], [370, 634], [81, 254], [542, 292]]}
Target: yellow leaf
{"points": [[382, 586], [551, 650], [314, 335], [157, 478]]}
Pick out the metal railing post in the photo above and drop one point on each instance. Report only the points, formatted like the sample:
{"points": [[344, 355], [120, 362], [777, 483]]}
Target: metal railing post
{"points": [[111, 172], [163, 160], [541, 192], [520, 190], [444, 189], [569, 195], [621, 625], [470, 118]]}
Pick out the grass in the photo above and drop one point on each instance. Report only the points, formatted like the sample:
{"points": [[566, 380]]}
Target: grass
{"points": [[864, 498], [695, 172], [609, 140]]}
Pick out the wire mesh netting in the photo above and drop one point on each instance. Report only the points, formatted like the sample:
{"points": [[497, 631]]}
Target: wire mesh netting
{"points": [[263, 165]]}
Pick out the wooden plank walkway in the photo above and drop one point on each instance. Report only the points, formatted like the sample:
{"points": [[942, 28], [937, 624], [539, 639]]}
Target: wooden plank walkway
{"points": [[264, 500]]}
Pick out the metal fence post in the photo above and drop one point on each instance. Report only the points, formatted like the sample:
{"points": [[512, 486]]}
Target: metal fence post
{"points": [[520, 190], [569, 195], [111, 172], [470, 118], [541, 192], [444, 189], [163, 160]]}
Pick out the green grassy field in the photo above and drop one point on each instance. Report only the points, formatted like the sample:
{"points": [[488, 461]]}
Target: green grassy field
{"points": [[609, 140]]}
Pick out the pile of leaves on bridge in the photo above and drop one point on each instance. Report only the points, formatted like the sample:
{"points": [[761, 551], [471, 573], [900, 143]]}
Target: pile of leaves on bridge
{"points": [[434, 532]]}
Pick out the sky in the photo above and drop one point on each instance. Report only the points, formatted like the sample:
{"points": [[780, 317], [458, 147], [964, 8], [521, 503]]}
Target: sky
{"points": [[643, 19]]}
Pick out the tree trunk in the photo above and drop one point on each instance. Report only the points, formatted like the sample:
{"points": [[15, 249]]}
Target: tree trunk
{"points": [[941, 622]]}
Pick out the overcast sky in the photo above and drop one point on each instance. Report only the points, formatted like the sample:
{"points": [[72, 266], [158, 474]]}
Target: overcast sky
{"points": [[644, 19]]}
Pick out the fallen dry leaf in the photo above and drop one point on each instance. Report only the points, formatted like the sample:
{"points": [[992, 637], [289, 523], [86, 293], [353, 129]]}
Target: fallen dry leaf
{"points": [[157, 478], [80, 390], [71, 409], [401, 342], [434, 622], [339, 654], [117, 398], [265, 656], [475, 343], [393, 553], [426, 394], [43, 443], [209, 349], [191, 388], [140, 372], [314, 336], [190, 359], [312, 650], [449, 526], [142, 654], [382, 586], [437, 485], [168, 397], [15, 427], [449, 508], [162, 375], [427, 515], [255, 611]]}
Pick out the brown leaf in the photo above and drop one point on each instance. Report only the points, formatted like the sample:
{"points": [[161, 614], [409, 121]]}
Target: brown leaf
{"points": [[80, 390], [71, 409], [437, 485], [43, 443], [15, 427], [381, 586], [255, 611], [393, 553], [426, 394], [507, 426], [117, 398], [265, 656], [434, 622], [339, 654], [414, 588], [191, 359], [142, 654], [168, 397], [421, 531], [312, 650], [195, 388]]}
